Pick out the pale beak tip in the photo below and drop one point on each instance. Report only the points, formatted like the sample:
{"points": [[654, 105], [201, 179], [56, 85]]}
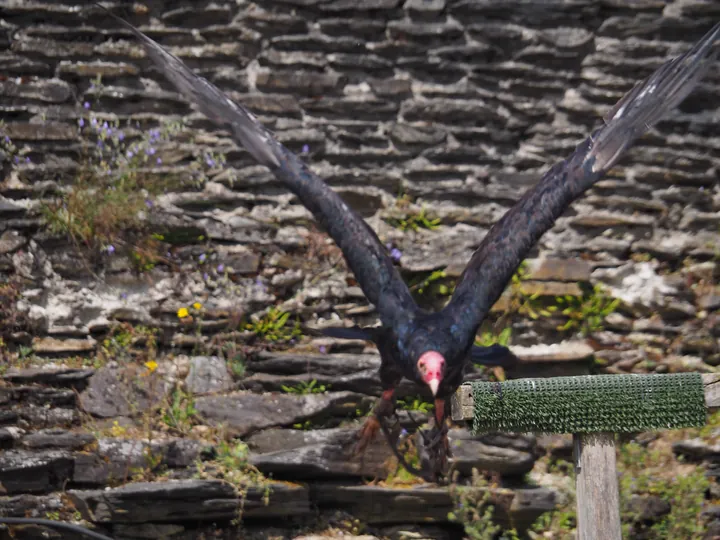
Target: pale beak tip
{"points": [[434, 385]]}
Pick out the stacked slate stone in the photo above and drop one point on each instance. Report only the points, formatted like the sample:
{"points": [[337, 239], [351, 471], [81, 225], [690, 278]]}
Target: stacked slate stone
{"points": [[460, 105]]}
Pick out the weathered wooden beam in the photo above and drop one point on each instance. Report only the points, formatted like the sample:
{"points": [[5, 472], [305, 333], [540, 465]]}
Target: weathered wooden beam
{"points": [[462, 401], [596, 487]]}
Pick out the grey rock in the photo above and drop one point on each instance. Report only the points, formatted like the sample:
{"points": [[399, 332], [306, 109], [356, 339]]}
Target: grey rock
{"points": [[187, 500], [318, 453], [115, 391], [299, 82], [11, 241], [470, 452], [648, 508], [426, 504], [450, 111], [114, 459], [65, 377], [208, 374], [23, 471], [31, 505], [48, 90], [57, 438], [244, 413], [697, 450]]}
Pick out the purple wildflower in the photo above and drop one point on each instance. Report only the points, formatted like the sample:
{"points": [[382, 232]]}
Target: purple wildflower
{"points": [[7, 139], [322, 349], [210, 161], [305, 148], [16, 159], [86, 104], [148, 203], [202, 258], [150, 151], [93, 121], [81, 122], [100, 144], [123, 296], [121, 136], [206, 276], [395, 254], [403, 432], [27, 160], [129, 153], [159, 161], [221, 268], [110, 249]]}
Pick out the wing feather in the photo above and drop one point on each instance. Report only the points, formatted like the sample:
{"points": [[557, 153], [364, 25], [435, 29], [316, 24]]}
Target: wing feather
{"points": [[511, 238], [366, 256]]}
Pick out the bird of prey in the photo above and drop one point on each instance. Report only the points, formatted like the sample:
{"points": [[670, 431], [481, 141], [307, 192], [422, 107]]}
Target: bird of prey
{"points": [[433, 348]]}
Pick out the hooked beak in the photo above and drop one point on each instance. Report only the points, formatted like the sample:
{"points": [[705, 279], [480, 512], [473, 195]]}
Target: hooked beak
{"points": [[431, 366]]}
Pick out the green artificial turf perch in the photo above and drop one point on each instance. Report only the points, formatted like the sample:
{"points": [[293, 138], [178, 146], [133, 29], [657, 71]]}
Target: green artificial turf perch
{"points": [[590, 404]]}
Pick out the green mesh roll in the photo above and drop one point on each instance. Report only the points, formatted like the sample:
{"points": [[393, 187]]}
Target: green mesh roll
{"points": [[590, 403]]}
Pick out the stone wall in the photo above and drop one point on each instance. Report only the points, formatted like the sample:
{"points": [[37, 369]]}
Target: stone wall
{"points": [[458, 104]]}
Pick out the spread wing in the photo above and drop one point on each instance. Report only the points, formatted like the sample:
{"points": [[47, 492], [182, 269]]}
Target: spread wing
{"points": [[511, 238], [366, 256]]}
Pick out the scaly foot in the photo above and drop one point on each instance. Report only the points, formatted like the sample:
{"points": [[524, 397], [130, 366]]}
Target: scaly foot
{"points": [[384, 408]]}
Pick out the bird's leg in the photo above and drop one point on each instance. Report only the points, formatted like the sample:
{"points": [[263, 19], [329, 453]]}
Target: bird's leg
{"points": [[437, 446], [383, 408]]}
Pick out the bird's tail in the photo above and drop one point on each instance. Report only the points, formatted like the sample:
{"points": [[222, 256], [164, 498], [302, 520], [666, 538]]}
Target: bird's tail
{"points": [[650, 100]]}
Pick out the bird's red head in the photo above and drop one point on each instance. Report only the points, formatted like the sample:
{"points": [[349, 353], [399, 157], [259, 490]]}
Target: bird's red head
{"points": [[431, 366]]}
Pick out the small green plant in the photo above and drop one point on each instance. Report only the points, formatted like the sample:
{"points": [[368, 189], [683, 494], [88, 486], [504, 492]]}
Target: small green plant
{"points": [[648, 472], [306, 387], [486, 339], [127, 343], [414, 404], [179, 412], [587, 313], [232, 464], [415, 221], [474, 511], [53, 516], [433, 284], [274, 326]]}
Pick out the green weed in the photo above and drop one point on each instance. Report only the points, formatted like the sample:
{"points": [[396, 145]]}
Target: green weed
{"points": [[304, 388], [274, 326]]}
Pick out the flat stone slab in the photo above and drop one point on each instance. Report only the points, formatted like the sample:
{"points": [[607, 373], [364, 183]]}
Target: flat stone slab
{"points": [[322, 453], [115, 458], [188, 500], [319, 453], [428, 504], [115, 391], [57, 438], [53, 376], [23, 471], [244, 412], [485, 454], [208, 374]]}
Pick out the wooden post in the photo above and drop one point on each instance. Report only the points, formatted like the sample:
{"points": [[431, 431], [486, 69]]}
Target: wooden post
{"points": [[598, 499]]}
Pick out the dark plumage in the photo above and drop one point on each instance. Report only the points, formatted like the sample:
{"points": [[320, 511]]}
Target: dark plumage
{"points": [[433, 348]]}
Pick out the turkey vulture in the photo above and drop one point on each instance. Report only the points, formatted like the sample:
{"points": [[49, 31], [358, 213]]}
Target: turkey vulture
{"points": [[432, 348]]}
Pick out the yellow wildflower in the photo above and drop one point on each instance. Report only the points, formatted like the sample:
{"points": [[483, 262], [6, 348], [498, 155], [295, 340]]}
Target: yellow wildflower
{"points": [[197, 305], [183, 312], [151, 365]]}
